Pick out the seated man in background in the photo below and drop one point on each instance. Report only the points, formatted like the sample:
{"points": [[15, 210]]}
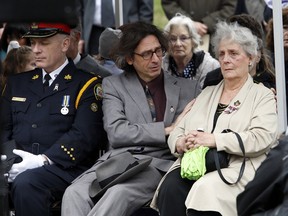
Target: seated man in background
{"points": [[54, 114], [141, 107], [84, 61]]}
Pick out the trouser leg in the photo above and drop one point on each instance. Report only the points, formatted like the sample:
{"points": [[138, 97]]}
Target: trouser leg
{"points": [[33, 192], [76, 200]]}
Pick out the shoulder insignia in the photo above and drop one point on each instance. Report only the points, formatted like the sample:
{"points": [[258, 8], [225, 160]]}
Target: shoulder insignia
{"points": [[35, 77], [98, 91], [68, 77]]}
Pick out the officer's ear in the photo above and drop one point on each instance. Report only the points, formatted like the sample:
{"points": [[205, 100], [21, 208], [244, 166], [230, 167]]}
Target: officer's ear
{"points": [[66, 43]]}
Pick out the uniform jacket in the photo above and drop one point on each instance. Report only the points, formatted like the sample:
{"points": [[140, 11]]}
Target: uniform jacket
{"points": [[127, 117], [38, 124], [252, 113], [141, 10], [204, 63], [205, 11]]}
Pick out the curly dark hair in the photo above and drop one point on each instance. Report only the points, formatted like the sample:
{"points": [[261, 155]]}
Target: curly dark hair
{"points": [[132, 34]]}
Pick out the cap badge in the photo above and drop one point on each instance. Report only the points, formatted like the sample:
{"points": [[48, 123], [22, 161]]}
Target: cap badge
{"points": [[34, 26]]}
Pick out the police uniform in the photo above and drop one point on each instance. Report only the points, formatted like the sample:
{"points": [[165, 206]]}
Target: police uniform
{"points": [[64, 123]]}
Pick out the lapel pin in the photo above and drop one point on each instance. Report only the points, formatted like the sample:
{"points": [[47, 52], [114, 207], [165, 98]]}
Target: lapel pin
{"points": [[237, 103], [56, 87]]}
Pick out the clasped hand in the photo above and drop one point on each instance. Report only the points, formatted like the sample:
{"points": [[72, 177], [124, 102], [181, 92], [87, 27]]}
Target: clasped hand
{"points": [[193, 140], [29, 161]]}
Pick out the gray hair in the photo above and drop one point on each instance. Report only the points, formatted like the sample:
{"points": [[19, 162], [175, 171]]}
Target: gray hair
{"points": [[180, 19], [235, 33]]}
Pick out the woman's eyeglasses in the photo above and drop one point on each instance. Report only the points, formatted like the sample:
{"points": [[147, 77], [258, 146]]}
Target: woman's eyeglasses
{"points": [[147, 55], [182, 38]]}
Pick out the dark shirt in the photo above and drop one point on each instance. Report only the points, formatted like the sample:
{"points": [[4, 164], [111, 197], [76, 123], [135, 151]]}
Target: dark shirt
{"points": [[190, 68], [156, 88]]}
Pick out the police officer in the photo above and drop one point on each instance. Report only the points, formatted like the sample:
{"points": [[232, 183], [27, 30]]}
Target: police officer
{"points": [[54, 114]]}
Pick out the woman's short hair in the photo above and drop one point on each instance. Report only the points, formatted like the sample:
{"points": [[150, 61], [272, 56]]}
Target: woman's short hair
{"points": [[235, 33], [180, 19]]}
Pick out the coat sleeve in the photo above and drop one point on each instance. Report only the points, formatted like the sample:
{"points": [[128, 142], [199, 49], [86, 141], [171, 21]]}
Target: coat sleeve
{"points": [[171, 7], [146, 10], [226, 10], [121, 127]]}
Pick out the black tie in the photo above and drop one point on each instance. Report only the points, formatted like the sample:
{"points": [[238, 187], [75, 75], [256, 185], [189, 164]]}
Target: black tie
{"points": [[107, 14], [47, 77], [150, 103]]}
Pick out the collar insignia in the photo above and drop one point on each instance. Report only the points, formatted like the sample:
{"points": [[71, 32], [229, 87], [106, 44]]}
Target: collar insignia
{"points": [[67, 77], [35, 77]]}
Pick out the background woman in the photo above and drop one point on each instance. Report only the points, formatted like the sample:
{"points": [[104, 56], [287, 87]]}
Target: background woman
{"points": [[183, 58], [236, 103]]}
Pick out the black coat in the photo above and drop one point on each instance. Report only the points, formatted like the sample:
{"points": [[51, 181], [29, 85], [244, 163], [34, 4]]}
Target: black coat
{"points": [[267, 193]]}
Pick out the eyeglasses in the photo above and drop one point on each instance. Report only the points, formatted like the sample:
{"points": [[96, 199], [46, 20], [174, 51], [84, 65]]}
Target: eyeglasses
{"points": [[182, 38], [147, 55]]}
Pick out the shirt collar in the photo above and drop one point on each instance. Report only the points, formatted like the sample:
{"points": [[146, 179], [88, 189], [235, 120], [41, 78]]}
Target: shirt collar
{"points": [[54, 73]]}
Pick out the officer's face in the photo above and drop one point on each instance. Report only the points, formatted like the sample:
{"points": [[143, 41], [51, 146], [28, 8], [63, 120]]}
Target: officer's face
{"points": [[50, 52], [147, 58]]}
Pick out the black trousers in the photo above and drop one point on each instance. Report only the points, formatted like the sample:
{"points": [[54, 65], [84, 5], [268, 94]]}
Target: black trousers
{"points": [[172, 196], [34, 190], [173, 193]]}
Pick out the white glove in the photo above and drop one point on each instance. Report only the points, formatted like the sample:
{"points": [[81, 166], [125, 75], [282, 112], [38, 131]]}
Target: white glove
{"points": [[29, 161]]}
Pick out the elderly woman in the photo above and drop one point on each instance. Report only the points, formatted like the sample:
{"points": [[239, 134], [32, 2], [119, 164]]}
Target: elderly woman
{"points": [[184, 59], [236, 103], [263, 71]]}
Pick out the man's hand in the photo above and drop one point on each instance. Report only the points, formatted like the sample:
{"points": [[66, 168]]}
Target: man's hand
{"points": [[29, 161], [202, 29]]}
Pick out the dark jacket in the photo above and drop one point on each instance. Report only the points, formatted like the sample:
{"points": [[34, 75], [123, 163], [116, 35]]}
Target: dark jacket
{"points": [[267, 193], [204, 11], [38, 124]]}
